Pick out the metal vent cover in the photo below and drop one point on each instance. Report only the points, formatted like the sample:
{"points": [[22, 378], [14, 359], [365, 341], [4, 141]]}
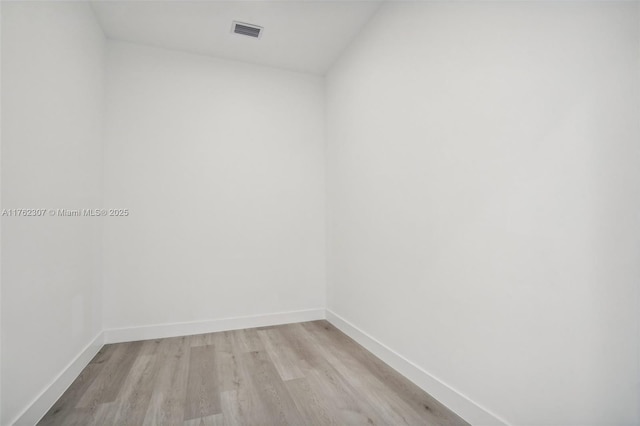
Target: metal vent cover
{"points": [[245, 29]]}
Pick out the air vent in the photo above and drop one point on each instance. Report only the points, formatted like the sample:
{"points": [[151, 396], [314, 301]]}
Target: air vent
{"points": [[246, 29]]}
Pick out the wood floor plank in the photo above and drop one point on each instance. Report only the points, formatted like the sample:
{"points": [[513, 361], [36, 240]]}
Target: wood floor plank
{"points": [[200, 339], [243, 341], [203, 395], [303, 343], [66, 411], [311, 406], [412, 394], [232, 408], [80, 416], [266, 382], [104, 354], [390, 406], [295, 374], [166, 407], [343, 399], [107, 384], [96, 415], [284, 359], [215, 420], [333, 389], [63, 408], [228, 373], [222, 341], [63, 411], [150, 347], [131, 406], [244, 406]]}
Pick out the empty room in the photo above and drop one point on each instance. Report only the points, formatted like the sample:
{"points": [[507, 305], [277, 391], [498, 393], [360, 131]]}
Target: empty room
{"points": [[320, 212]]}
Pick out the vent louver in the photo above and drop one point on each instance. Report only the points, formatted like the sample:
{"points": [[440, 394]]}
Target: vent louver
{"points": [[246, 29]]}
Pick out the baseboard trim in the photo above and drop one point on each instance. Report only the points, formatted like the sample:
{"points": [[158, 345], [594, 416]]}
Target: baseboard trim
{"points": [[469, 410], [50, 394], [130, 334], [460, 404]]}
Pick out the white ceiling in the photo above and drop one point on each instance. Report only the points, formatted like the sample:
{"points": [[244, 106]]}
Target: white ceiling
{"points": [[303, 35]]}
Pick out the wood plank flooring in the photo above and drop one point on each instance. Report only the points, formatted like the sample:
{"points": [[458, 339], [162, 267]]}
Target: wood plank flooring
{"points": [[296, 374]]}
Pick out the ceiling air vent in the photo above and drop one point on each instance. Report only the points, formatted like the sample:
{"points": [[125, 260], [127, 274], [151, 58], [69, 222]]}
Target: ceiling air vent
{"points": [[246, 29]]}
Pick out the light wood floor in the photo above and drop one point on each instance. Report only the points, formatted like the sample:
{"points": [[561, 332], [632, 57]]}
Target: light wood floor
{"points": [[296, 374]]}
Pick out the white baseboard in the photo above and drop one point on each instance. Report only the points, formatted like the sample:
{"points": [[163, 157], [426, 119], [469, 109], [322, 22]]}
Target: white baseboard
{"points": [[469, 410], [130, 334], [454, 400], [45, 400], [50, 394]]}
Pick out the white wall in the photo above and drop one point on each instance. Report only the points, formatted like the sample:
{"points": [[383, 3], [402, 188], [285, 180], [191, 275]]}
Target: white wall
{"points": [[483, 196], [52, 102], [484, 193], [221, 165]]}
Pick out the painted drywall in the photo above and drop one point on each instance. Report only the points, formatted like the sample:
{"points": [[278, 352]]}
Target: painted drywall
{"points": [[52, 104], [483, 201], [1, 206], [221, 167]]}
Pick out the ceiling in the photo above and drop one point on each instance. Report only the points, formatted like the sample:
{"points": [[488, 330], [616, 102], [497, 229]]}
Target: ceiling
{"points": [[304, 35]]}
